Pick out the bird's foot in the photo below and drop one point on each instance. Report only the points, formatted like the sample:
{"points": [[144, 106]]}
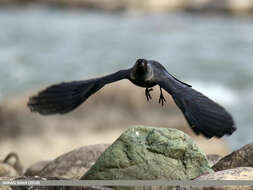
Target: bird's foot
{"points": [[147, 94], [161, 99]]}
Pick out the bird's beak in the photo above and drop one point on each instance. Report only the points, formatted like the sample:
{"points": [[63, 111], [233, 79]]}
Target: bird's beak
{"points": [[142, 65]]}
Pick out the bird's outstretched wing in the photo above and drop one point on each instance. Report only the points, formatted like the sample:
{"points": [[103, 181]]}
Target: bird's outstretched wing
{"points": [[64, 97], [202, 114]]}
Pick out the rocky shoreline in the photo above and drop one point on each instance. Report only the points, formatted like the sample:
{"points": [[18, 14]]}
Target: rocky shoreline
{"points": [[143, 153], [203, 6]]}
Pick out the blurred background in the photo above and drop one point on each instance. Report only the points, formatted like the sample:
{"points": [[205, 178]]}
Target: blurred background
{"points": [[206, 43]]}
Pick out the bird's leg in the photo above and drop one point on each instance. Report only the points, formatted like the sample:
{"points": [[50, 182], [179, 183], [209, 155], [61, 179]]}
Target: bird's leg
{"points": [[147, 94], [161, 99]]}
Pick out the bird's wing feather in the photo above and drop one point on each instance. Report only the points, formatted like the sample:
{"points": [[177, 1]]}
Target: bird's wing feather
{"points": [[64, 97], [179, 80], [203, 115]]}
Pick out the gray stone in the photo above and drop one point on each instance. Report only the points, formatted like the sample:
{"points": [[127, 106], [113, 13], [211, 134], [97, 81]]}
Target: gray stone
{"points": [[213, 159], [240, 173], [35, 169], [10, 166], [239, 158], [13, 160], [150, 153], [74, 164], [7, 171]]}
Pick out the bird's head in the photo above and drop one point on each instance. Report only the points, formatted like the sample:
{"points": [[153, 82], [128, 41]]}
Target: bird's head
{"points": [[141, 70], [141, 65]]}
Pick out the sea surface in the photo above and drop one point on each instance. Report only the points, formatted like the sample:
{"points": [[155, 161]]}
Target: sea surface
{"points": [[213, 53]]}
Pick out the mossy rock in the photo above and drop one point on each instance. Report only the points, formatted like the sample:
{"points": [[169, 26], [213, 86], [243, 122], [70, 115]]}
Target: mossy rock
{"points": [[150, 153]]}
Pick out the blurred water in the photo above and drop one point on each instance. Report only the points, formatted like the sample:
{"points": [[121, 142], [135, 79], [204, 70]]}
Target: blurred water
{"points": [[40, 46]]}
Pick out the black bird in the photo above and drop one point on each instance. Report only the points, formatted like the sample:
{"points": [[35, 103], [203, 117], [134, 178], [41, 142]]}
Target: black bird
{"points": [[202, 114]]}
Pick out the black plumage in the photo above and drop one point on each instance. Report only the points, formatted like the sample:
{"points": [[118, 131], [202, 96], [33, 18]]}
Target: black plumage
{"points": [[202, 114]]}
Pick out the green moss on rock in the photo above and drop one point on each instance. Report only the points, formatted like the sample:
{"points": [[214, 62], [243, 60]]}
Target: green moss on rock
{"points": [[150, 153]]}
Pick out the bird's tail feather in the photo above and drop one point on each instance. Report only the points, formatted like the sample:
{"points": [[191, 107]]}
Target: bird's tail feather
{"points": [[204, 115], [64, 97]]}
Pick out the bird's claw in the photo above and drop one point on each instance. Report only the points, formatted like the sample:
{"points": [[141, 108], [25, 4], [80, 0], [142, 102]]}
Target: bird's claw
{"points": [[162, 99], [147, 94]]}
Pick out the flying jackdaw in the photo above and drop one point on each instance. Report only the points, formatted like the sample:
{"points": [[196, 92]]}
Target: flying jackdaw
{"points": [[202, 114]]}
